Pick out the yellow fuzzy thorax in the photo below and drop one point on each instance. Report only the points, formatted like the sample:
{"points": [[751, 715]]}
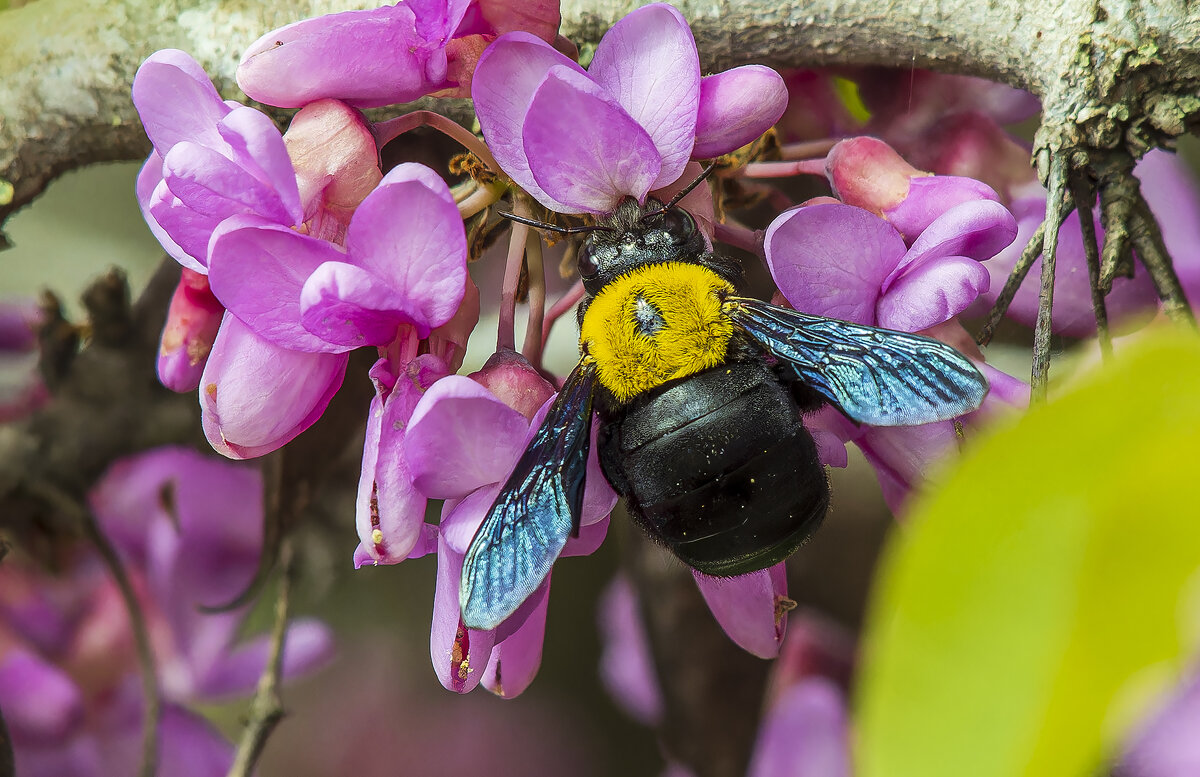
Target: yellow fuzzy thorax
{"points": [[656, 323]]}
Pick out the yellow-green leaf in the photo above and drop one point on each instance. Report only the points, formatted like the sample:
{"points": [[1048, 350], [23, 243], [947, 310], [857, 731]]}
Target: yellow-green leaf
{"points": [[1021, 613]]}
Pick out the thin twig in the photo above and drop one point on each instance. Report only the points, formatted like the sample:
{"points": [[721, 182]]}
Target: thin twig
{"points": [[1152, 251], [387, 131], [60, 500], [1033, 249], [1085, 198], [1116, 218], [266, 709], [537, 299], [1056, 211]]}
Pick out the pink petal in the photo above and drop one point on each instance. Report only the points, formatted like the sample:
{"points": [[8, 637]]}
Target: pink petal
{"points": [[255, 396], [390, 512], [512, 379], [626, 663], [348, 306], [183, 232], [804, 734], [459, 654], [508, 74], [176, 101], [598, 496], [461, 519], [584, 150], [257, 270], [1165, 744], [930, 196], [448, 342], [41, 702], [591, 537], [257, 145], [748, 607], [831, 259], [648, 62], [193, 319], [931, 293], [903, 456], [365, 58], [737, 106], [515, 660], [462, 437], [409, 233], [213, 185], [978, 229], [307, 646], [148, 182], [336, 165]]}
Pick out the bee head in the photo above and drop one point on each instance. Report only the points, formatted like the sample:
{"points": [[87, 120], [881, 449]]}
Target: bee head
{"points": [[635, 235]]}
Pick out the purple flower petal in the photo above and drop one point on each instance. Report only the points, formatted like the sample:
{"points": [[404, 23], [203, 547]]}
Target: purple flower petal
{"points": [[193, 319], [902, 456], [461, 519], [931, 293], [78, 757], [515, 660], [307, 646], [831, 259], [584, 150], [257, 145], [365, 58], [257, 269], [462, 437], [804, 734], [148, 182], [40, 701], [932, 195], [191, 744], [598, 496], [390, 513], [978, 229], [591, 537], [176, 100], [1171, 191], [737, 106], [508, 74], [747, 607], [408, 232], [255, 396], [648, 62], [186, 231], [626, 664], [350, 307], [459, 654], [1166, 745]]}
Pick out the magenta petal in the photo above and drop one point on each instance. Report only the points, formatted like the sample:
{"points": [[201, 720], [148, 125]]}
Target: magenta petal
{"points": [[931, 293], [737, 106], [1165, 744], [979, 230], [459, 654], [591, 537], [626, 663], [461, 519], [214, 185], [255, 396], [507, 75], [929, 196], [408, 232], [40, 701], [903, 455], [747, 607], [831, 259], [186, 230], [514, 662], [348, 306], [258, 146], [584, 150], [191, 744], [257, 270], [148, 180], [308, 645], [461, 437], [648, 62], [804, 734], [176, 101], [364, 58]]}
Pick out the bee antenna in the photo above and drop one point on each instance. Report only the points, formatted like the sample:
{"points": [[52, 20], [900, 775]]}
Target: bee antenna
{"points": [[685, 191], [547, 226]]}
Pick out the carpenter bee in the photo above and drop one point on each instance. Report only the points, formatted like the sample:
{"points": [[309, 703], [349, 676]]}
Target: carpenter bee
{"points": [[700, 395]]}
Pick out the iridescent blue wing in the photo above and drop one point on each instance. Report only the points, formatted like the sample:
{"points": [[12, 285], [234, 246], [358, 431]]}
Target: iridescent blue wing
{"points": [[876, 376], [536, 511]]}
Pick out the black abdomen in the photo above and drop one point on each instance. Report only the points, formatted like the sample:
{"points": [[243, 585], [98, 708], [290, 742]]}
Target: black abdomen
{"points": [[719, 467]]}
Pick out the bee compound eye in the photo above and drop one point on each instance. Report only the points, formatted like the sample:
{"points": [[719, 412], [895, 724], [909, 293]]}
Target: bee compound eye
{"points": [[679, 224], [585, 259]]}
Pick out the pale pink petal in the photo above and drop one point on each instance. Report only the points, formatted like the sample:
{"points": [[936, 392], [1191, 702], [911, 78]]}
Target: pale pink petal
{"points": [[214, 185], [255, 396], [459, 654], [461, 518], [748, 607], [449, 341], [186, 232], [930, 196], [336, 165], [409, 233], [831, 259], [584, 150], [737, 106], [462, 437], [257, 270], [515, 660], [804, 734], [176, 101], [508, 74], [626, 663], [648, 62]]}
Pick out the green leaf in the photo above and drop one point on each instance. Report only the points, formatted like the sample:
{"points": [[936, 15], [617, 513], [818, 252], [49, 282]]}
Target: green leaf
{"points": [[1021, 615]]}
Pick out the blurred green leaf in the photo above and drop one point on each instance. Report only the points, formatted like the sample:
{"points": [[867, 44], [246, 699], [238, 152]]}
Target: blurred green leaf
{"points": [[1023, 610]]}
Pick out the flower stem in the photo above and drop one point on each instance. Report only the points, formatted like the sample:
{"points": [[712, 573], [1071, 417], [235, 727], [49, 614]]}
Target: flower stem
{"points": [[532, 349], [749, 240], [565, 302], [387, 131], [811, 149], [506, 336], [480, 199], [785, 169]]}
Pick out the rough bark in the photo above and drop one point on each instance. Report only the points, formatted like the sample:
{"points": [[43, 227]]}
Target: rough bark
{"points": [[1112, 73]]}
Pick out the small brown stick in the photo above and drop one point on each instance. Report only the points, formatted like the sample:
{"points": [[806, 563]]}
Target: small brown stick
{"points": [[1148, 240], [1033, 249], [1041, 332], [1085, 197], [1116, 218], [266, 709]]}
